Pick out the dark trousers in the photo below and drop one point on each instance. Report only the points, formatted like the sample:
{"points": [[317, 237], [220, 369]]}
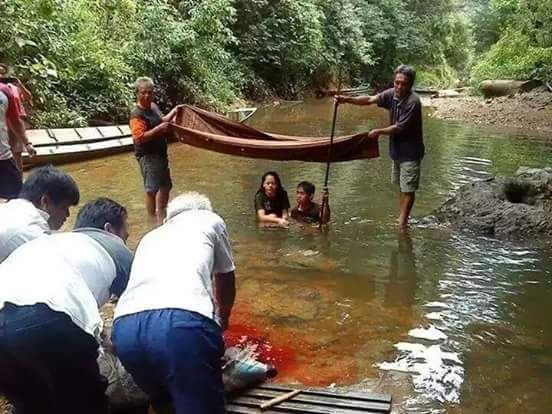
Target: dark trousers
{"points": [[48, 364], [174, 356], [11, 179]]}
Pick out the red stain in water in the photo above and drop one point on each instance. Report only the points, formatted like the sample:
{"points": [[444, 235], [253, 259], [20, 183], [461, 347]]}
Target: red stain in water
{"points": [[294, 356], [281, 356]]}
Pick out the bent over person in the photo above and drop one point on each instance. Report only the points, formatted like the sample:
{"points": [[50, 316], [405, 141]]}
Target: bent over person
{"points": [[406, 143], [149, 132], [42, 206], [168, 324], [50, 325]]}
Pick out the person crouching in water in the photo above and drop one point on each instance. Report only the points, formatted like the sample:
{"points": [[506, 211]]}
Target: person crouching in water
{"points": [[271, 201], [308, 211], [168, 324], [50, 327], [149, 132]]}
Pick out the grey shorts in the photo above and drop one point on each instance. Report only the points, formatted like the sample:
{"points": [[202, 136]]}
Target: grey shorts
{"points": [[155, 172], [406, 174]]}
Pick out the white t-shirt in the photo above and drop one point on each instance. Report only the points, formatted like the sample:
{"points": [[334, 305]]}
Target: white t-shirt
{"points": [[5, 149], [20, 222], [174, 264], [69, 272]]}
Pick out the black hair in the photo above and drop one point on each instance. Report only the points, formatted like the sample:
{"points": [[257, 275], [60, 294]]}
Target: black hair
{"points": [[307, 187], [280, 192], [96, 213], [52, 182], [407, 71]]}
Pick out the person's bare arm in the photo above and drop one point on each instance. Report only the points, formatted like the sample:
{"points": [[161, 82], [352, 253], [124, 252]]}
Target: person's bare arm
{"points": [[225, 294], [26, 94], [18, 128], [390, 130], [271, 218], [357, 100]]}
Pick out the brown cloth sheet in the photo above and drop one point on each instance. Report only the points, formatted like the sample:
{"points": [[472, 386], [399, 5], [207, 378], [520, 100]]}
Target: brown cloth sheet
{"points": [[214, 132]]}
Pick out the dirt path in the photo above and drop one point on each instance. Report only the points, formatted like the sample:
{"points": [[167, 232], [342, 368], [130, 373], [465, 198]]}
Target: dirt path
{"points": [[530, 112]]}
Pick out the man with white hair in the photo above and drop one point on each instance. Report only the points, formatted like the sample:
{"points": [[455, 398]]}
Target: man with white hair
{"points": [[168, 324]]}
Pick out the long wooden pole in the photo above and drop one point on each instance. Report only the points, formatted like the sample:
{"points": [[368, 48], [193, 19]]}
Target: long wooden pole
{"points": [[332, 134]]}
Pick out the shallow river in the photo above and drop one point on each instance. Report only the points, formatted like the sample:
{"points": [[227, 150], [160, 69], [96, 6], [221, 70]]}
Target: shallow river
{"points": [[443, 321]]}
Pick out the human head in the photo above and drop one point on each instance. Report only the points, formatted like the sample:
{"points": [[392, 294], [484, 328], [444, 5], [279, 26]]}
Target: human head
{"points": [[4, 69], [105, 214], [143, 87], [187, 201], [403, 80], [53, 191], [271, 184], [305, 193]]}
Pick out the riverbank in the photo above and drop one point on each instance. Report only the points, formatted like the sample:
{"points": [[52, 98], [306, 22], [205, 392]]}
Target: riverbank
{"points": [[530, 112]]}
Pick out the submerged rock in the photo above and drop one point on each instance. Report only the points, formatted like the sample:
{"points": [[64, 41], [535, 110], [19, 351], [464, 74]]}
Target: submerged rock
{"points": [[503, 206]]}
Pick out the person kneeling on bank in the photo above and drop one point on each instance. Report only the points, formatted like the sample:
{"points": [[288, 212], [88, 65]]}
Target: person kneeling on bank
{"points": [[50, 326]]}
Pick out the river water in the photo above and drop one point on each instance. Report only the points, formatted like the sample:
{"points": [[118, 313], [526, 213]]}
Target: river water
{"points": [[443, 321]]}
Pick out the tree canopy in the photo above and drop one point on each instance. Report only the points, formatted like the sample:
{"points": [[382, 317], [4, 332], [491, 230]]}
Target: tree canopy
{"points": [[80, 57]]}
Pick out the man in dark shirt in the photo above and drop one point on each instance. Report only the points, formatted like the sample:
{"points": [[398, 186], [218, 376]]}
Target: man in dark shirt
{"points": [[406, 144], [308, 211]]}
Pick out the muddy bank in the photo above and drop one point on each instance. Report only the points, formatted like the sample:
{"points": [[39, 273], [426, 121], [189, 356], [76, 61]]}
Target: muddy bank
{"points": [[530, 112]]}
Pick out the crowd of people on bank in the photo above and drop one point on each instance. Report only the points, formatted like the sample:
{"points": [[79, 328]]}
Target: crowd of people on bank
{"points": [[175, 292]]}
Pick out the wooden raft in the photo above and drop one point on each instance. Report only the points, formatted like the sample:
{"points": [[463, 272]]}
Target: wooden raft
{"points": [[308, 401]]}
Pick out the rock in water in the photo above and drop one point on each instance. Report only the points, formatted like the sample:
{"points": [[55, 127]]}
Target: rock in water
{"points": [[503, 206]]}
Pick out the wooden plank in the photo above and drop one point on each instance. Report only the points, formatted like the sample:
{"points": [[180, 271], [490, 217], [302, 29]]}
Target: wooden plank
{"points": [[89, 133], [328, 392], [295, 407], [39, 137], [337, 400], [65, 135], [109, 131], [125, 129]]}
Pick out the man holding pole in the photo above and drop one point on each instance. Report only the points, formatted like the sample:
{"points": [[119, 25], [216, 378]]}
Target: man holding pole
{"points": [[406, 144]]}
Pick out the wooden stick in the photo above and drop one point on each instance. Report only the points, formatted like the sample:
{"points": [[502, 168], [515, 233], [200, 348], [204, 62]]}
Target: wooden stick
{"points": [[278, 400]]}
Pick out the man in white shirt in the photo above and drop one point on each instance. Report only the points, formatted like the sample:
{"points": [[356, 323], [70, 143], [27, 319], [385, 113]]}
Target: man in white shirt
{"points": [[50, 291], [43, 205], [168, 324]]}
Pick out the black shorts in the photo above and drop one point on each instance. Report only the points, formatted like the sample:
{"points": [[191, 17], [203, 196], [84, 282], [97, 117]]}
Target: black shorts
{"points": [[155, 172], [11, 179]]}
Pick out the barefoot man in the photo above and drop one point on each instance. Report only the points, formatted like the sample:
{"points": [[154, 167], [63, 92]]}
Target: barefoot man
{"points": [[406, 144]]}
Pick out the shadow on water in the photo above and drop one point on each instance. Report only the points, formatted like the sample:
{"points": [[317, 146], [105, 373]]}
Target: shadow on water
{"points": [[443, 322]]}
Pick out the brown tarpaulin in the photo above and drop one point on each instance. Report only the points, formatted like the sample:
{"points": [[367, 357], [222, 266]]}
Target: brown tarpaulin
{"points": [[214, 132]]}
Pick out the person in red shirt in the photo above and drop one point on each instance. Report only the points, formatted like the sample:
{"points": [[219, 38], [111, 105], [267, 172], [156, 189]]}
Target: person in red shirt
{"points": [[10, 117], [21, 95]]}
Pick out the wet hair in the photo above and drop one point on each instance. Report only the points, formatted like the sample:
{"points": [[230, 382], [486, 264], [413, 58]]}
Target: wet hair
{"points": [[96, 213], [307, 187], [190, 200], [280, 191], [407, 71], [141, 81], [52, 182]]}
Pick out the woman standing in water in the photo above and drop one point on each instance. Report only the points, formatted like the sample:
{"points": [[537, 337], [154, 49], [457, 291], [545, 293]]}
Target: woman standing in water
{"points": [[149, 132], [271, 201]]}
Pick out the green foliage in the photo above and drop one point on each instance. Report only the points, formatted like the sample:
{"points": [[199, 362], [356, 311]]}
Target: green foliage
{"points": [[520, 40], [80, 57]]}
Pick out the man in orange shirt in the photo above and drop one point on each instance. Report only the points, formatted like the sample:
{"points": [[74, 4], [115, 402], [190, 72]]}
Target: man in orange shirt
{"points": [[149, 131]]}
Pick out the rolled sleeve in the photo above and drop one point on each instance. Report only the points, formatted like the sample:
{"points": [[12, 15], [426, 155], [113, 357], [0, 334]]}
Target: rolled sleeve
{"points": [[385, 98], [138, 127]]}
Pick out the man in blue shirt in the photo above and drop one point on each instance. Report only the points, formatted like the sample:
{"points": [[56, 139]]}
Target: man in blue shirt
{"points": [[406, 144]]}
